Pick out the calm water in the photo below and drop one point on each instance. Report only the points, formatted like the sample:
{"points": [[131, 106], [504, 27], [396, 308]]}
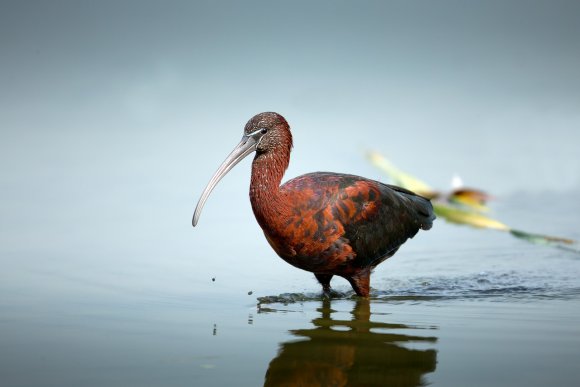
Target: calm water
{"points": [[455, 307]]}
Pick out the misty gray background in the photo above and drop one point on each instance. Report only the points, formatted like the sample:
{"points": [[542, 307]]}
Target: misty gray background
{"points": [[115, 114]]}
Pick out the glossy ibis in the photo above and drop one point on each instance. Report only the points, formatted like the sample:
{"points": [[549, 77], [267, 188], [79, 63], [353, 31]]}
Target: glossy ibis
{"points": [[326, 223]]}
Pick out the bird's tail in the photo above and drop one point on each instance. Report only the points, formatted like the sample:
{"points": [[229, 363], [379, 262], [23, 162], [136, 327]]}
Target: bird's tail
{"points": [[425, 210], [422, 206]]}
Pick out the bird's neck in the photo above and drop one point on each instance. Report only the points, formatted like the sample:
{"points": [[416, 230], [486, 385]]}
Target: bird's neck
{"points": [[267, 200]]}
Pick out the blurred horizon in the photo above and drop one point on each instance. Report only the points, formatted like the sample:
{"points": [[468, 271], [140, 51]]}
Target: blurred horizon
{"points": [[120, 112]]}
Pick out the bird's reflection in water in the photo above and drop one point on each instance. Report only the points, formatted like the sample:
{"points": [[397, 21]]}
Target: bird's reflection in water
{"points": [[355, 352]]}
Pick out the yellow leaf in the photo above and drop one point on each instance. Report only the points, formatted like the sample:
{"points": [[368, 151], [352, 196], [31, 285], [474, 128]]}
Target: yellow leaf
{"points": [[471, 218], [399, 177]]}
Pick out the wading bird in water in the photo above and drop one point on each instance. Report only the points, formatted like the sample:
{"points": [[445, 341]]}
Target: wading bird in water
{"points": [[326, 223]]}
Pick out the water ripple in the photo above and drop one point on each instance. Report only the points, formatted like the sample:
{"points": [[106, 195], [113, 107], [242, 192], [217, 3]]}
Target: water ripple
{"points": [[497, 287]]}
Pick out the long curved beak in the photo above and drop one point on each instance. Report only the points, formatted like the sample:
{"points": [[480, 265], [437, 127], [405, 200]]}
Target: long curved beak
{"points": [[246, 146]]}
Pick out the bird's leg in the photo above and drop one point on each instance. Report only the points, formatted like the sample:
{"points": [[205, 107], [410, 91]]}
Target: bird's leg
{"points": [[361, 282], [324, 280]]}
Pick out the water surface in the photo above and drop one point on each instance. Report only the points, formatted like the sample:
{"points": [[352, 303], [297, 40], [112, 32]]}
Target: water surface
{"points": [[455, 306]]}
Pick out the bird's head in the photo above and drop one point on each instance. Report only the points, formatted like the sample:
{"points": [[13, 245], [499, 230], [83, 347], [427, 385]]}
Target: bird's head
{"points": [[270, 130]]}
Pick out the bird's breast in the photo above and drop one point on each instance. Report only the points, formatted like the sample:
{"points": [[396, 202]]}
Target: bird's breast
{"points": [[312, 239], [317, 257]]}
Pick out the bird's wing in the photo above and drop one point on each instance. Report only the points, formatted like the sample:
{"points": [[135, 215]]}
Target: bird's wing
{"points": [[366, 219]]}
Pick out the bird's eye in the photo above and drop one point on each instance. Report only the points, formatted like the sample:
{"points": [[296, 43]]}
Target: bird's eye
{"points": [[264, 130]]}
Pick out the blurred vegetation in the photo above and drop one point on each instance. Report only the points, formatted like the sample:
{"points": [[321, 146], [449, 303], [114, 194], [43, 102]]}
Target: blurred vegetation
{"points": [[461, 205]]}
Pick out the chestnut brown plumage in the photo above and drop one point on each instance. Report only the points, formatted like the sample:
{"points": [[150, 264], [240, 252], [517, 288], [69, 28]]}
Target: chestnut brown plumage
{"points": [[326, 223]]}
